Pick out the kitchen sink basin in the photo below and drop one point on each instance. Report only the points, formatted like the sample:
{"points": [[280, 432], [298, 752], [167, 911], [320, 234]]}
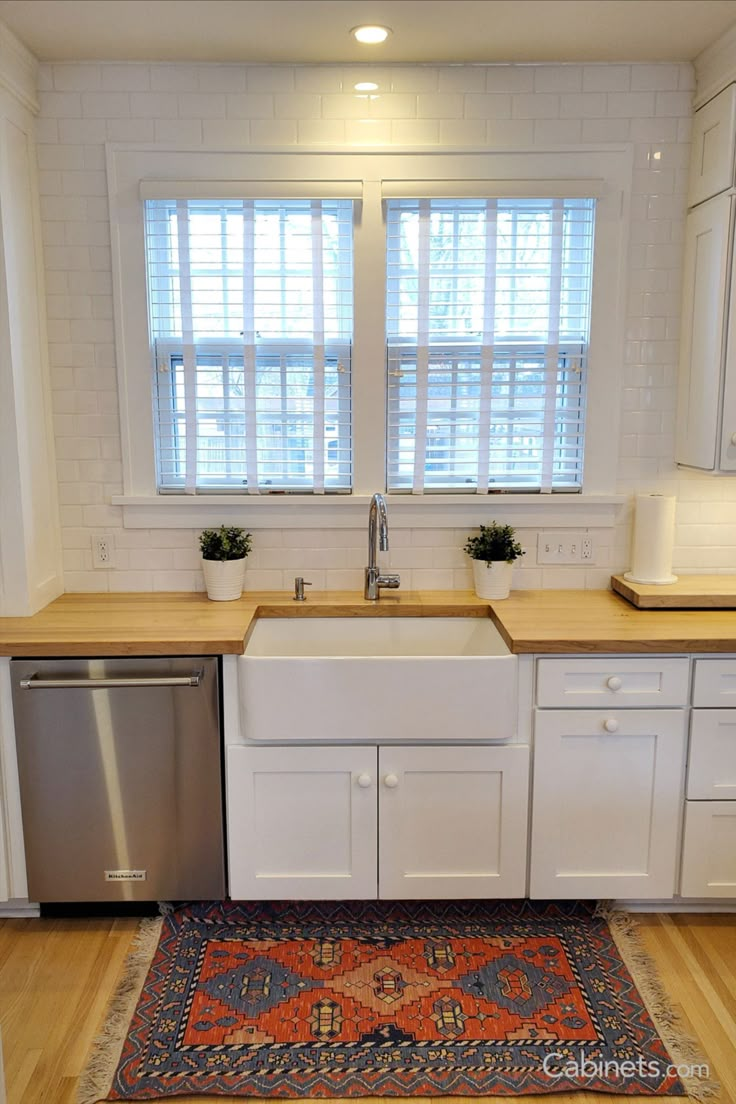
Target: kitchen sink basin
{"points": [[377, 679]]}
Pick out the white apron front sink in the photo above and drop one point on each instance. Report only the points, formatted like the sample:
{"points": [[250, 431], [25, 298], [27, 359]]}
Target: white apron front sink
{"points": [[377, 679]]}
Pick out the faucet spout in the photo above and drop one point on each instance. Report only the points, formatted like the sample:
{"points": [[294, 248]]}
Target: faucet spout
{"points": [[377, 539]]}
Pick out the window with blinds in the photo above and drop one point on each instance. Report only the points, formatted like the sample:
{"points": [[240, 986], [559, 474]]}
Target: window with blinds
{"points": [[251, 317], [488, 322]]}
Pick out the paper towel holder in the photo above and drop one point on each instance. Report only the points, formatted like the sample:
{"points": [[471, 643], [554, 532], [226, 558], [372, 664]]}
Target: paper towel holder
{"points": [[652, 565]]}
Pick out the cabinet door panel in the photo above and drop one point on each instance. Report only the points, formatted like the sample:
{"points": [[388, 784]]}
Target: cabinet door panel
{"points": [[728, 410], [711, 772], [606, 803], [455, 823], [705, 280], [709, 849], [302, 822], [712, 153]]}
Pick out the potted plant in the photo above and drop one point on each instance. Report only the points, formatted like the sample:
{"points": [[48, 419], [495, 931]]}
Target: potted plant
{"points": [[493, 552], [224, 551]]}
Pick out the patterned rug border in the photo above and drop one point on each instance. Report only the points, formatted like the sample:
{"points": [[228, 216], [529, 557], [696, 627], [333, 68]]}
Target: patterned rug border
{"points": [[684, 1050], [96, 1079]]}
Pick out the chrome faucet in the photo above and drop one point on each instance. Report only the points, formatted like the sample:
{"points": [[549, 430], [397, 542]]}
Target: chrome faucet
{"points": [[377, 530]]}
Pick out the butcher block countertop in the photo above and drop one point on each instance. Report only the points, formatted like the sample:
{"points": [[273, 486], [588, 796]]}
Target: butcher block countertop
{"points": [[542, 621]]}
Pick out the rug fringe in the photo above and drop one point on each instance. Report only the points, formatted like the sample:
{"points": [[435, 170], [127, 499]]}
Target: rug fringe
{"points": [[683, 1049], [96, 1079]]}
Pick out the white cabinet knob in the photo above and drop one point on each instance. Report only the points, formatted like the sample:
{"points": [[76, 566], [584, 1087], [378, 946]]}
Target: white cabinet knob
{"points": [[391, 781], [613, 683], [611, 725], [733, 438], [364, 781]]}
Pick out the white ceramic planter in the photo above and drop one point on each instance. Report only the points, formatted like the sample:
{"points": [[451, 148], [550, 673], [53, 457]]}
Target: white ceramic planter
{"points": [[492, 578], [224, 579]]}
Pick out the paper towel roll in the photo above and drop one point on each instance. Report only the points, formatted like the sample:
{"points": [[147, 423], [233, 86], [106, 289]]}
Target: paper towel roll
{"points": [[651, 553]]}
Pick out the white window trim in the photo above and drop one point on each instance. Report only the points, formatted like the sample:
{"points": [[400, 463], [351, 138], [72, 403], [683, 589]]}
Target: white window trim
{"points": [[130, 167]]}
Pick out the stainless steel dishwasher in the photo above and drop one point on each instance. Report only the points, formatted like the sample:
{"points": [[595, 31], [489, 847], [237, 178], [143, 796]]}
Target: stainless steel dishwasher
{"points": [[120, 774]]}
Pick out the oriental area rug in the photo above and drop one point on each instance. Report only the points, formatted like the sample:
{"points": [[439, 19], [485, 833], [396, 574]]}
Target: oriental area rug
{"points": [[389, 999]]}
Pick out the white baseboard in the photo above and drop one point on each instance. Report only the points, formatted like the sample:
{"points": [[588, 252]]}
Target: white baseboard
{"points": [[18, 908], [675, 906]]}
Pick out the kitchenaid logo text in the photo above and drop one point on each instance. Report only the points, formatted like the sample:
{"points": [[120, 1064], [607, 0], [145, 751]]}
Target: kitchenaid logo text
{"points": [[125, 875], [611, 1068]]}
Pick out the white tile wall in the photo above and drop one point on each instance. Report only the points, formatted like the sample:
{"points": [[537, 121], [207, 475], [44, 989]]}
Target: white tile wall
{"points": [[86, 105]]}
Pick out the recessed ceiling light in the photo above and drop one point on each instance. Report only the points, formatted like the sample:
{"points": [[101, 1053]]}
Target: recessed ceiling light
{"points": [[371, 34], [366, 86]]}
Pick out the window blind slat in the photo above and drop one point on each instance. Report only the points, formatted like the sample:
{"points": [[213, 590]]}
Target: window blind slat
{"points": [[488, 305], [250, 305]]}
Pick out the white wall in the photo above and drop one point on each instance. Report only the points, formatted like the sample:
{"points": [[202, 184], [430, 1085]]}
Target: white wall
{"points": [[30, 545], [83, 106]]}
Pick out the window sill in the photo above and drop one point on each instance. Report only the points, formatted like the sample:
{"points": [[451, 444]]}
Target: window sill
{"points": [[350, 512]]}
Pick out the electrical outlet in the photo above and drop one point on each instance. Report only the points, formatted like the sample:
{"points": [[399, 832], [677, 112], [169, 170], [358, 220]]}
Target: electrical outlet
{"points": [[102, 550], [565, 547]]}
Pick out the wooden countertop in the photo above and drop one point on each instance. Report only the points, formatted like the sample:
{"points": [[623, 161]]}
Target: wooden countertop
{"points": [[189, 624], [542, 621]]}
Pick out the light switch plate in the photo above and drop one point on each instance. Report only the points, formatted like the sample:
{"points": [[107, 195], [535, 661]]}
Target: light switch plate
{"points": [[566, 546]]}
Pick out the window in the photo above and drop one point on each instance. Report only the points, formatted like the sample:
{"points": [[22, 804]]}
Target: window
{"points": [[488, 324], [258, 371], [250, 311]]}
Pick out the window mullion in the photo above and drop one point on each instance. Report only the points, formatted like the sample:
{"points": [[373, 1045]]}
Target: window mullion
{"points": [[369, 348]]}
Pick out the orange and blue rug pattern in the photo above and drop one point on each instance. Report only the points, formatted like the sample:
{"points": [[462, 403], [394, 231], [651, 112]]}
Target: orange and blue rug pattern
{"points": [[389, 999]]}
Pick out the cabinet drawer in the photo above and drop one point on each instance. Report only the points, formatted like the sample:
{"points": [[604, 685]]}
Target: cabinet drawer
{"points": [[712, 156], [709, 849], [622, 683], [711, 774], [714, 683]]}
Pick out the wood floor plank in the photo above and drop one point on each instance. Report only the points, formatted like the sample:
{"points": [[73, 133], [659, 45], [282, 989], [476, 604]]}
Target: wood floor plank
{"points": [[56, 977]]}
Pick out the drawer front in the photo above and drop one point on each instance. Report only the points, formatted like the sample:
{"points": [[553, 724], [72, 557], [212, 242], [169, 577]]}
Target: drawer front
{"points": [[714, 683], [620, 683], [711, 773]]}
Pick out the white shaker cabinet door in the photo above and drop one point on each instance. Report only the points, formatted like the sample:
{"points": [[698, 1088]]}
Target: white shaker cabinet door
{"points": [[607, 800], [453, 821], [706, 275], [709, 849], [302, 823], [712, 149]]}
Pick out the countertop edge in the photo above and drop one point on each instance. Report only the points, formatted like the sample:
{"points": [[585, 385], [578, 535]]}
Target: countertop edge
{"points": [[558, 622]]}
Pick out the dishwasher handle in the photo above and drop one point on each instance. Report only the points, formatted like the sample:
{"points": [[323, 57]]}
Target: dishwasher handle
{"points": [[33, 682]]}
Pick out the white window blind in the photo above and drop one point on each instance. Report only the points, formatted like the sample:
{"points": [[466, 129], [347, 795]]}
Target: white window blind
{"points": [[251, 317], [488, 323]]}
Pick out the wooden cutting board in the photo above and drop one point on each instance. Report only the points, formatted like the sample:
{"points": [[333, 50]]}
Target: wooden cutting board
{"points": [[689, 592]]}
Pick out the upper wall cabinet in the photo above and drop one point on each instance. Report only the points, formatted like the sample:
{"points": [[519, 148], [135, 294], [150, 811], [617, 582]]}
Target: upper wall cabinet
{"points": [[706, 413], [706, 409], [714, 143]]}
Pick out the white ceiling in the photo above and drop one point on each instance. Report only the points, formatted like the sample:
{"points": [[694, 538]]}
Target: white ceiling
{"points": [[317, 30]]}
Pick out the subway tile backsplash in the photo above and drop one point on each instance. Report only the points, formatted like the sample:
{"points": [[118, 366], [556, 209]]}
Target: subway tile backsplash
{"points": [[83, 106]]}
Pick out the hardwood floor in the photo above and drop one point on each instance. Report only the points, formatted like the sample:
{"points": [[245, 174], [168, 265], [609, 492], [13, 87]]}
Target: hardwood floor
{"points": [[56, 977]]}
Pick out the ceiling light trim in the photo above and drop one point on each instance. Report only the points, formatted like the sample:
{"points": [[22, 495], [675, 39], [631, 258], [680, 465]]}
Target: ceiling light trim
{"points": [[371, 34]]}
